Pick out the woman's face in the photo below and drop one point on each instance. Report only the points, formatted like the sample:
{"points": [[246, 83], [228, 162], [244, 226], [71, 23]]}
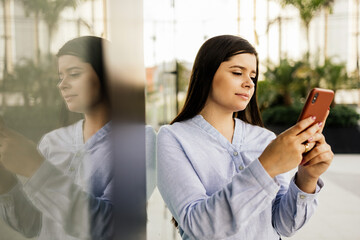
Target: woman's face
{"points": [[233, 86], [79, 84]]}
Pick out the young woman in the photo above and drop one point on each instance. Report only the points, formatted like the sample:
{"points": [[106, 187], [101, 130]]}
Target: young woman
{"points": [[68, 193], [221, 174]]}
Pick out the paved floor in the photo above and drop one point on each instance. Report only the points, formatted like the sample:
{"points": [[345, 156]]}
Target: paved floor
{"points": [[337, 217]]}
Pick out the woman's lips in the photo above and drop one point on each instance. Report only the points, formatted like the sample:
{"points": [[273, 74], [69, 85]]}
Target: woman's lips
{"points": [[243, 95], [69, 97]]}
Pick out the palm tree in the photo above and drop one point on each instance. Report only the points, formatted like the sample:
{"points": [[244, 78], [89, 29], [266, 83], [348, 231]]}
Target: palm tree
{"points": [[51, 14], [35, 7], [7, 48], [49, 11], [334, 75], [328, 10], [283, 80], [307, 11]]}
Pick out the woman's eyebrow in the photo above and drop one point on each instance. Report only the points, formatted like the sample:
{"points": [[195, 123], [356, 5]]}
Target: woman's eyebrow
{"points": [[241, 67], [73, 68]]}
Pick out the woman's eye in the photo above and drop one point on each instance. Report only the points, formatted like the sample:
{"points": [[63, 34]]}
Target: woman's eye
{"points": [[237, 73], [253, 78], [74, 75]]}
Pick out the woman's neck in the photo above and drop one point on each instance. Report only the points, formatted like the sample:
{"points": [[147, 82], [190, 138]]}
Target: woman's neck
{"points": [[221, 120], [94, 121]]}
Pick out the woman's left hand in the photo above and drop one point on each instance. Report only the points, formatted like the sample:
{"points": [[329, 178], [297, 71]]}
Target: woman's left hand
{"points": [[314, 163], [18, 154]]}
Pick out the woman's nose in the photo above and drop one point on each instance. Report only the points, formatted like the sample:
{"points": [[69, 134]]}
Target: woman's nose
{"points": [[63, 84], [248, 83]]}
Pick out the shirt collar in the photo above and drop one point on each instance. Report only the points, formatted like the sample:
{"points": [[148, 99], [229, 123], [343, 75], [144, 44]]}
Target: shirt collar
{"points": [[207, 127], [98, 136]]}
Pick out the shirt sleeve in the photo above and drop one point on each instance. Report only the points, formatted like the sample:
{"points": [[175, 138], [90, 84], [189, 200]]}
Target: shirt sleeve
{"points": [[250, 192], [78, 212], [19, 213], [292, 207]]}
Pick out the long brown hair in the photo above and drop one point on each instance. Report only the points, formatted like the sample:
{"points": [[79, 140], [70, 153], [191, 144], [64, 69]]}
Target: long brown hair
{"points": [[211, 54]]}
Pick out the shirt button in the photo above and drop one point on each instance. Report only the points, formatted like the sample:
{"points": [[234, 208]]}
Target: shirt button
{"points": [[235, 153], [302, 196], [241, 167]]}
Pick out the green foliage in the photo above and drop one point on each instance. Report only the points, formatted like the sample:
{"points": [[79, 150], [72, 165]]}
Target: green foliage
{"points": [[184, 76], [282, 94], [33, 122], [308, 8], [282, 81], [37, 83], [289, 82], [342, 116], [333, 75], [266, 94], [281, 115]]}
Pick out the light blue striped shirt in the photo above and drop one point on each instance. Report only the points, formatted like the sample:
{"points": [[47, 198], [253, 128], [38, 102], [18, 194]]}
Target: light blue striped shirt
{"points": [[71, 195], [219, 190]]}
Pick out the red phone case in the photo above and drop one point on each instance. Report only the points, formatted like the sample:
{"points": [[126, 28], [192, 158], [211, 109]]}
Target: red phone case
{"points": [[319, 107]]}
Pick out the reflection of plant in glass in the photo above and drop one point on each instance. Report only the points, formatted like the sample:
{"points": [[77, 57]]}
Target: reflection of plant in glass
{"points": [[37, 84], [49, 11], [51, 15], [42, 108]]}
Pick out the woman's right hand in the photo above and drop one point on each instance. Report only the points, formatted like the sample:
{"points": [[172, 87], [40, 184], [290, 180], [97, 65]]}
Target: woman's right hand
{"points": [[286, 151], [7, 180]]}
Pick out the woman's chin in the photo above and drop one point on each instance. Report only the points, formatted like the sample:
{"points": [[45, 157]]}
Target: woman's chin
{"points": [[240, 108], [74, 109]]}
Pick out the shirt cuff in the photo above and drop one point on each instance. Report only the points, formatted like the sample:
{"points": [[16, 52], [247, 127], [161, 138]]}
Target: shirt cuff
{"points": [[302, 196], [39, 179], [270, 185]]}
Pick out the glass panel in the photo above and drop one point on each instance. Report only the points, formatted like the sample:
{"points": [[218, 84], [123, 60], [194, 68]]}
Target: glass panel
{"points": [[44, 100]]}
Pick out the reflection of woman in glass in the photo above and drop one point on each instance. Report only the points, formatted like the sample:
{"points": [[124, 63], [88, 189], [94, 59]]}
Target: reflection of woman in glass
{"points": [[68, 194], [220, 173]]}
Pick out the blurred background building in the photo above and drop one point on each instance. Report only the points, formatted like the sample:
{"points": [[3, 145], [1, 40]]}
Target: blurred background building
{"points": [[327, 34]]}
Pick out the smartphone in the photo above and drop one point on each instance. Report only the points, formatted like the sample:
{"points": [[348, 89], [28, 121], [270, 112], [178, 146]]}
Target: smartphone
{"points": [[317, 104]]}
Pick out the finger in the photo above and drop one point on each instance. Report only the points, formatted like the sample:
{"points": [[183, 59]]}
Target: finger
{"points": [[301, 126], [315, 152], [308, 133], [323, 158], [317, 137], [327, 114], [311, 146]]}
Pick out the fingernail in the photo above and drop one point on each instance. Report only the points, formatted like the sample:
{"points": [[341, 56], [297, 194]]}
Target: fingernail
{"points": [[313, 117], [329, 108], [320, 124]]}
